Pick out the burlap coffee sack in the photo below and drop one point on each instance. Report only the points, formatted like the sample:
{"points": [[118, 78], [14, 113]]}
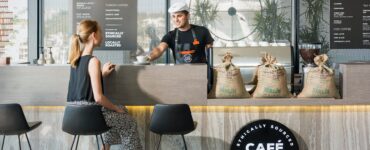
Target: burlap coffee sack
{"points": [[227, 80], [319, 81], [254, 78], [271, 79]]}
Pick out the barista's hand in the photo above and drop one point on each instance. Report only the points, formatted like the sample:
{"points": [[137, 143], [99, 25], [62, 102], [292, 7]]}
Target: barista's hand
{"points": [[148, 58], [108, 68]]}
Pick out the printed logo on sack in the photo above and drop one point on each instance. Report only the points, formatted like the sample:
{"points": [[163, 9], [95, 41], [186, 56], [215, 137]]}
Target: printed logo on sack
{"points": [[264, 135]]}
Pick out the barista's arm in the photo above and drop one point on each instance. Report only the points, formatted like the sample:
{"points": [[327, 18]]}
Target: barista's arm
{"points": [[157, 51], [210, 45]]}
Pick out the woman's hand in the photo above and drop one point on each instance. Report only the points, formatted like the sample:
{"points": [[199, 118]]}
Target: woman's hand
{"points": [[108, 68], [119, 109]]}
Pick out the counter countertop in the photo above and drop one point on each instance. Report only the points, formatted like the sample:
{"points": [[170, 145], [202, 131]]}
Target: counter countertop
{"points": [[133, 85]]}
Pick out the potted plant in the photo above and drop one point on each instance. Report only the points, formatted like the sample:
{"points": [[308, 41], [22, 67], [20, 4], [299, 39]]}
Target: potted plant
{"points": [[311, 31], [204, 12], [271, 25]]}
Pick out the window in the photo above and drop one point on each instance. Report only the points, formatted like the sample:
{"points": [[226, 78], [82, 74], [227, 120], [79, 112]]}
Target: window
{"points": [[233, 23], [314, 23], [14, 29], [57, 29], [240, 23], [151, 26]]}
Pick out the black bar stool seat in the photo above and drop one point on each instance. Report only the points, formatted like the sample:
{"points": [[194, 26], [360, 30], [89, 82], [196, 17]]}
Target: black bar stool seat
{"points": [[13, 122], [173, 119], [84, 120]]}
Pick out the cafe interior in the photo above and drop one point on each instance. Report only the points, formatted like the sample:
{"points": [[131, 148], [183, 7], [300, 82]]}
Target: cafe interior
{"points": [[279, 75]]}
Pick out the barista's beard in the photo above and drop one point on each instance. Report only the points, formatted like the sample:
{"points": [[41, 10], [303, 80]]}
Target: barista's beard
{"points": [[184, 26]]}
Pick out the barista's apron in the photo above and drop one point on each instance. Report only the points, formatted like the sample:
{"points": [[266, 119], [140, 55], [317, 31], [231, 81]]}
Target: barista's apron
{"points": [[188, 52]]}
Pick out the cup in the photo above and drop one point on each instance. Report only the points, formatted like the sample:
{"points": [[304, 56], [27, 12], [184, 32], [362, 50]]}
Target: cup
{"points": [[141, 59], [4, 60]]}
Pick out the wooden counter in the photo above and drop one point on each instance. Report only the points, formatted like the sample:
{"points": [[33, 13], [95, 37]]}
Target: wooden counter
{"points": [[129, 84], [137, 86], [340, 125]]}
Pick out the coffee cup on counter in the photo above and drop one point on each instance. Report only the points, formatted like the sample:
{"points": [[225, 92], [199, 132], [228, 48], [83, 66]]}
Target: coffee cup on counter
{"points": [[4, 60], [141, 59]]}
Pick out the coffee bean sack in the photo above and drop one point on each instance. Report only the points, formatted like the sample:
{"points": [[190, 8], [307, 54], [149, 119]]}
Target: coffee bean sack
{"points": [[227, 81]]}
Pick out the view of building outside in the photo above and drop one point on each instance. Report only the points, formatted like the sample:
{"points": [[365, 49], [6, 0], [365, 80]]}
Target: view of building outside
{"points": [[232, 23], [57, 29], [13, 30], [240, 23], [151, 26], [314, 24]]}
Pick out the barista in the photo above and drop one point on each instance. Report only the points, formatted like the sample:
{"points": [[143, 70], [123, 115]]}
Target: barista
{"points": [[188, 42]]}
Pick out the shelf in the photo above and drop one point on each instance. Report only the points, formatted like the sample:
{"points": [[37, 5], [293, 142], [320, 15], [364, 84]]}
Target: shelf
{"points": [[286, 102]]}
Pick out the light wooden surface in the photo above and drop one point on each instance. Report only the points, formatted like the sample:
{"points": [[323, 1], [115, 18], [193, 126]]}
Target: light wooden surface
{"points": [[129, 85], [154, 84], [34, 85], [316, 127], [148, 85], [355, 81]]}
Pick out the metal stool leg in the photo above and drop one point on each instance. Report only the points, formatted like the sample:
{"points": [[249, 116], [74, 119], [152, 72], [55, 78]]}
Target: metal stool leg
{"points": [[2, 145], [102, 141], [184, 141], [78, 138], [29, 144], [97, 141], [74, 138], [19, 141], [159, 144]]}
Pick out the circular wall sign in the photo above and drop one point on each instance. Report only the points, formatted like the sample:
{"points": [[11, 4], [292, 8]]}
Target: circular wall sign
{"points": [[264, 135]]}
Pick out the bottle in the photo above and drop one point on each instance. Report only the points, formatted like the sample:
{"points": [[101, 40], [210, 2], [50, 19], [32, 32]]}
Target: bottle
{"points": [[41, 59], [50, 60]]}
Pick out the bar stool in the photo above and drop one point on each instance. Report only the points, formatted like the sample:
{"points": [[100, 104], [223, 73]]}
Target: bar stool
{"points": [[13, 122], [174, 119], [84, 120]]}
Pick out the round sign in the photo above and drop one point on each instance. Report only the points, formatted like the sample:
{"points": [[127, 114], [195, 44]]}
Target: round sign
{"points": [[264, 135]]}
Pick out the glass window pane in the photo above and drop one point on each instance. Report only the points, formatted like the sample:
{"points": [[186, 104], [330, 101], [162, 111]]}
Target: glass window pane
{"points": [[240, 23], [13, 30], [58, 28], [151, 26], [314, 24]]}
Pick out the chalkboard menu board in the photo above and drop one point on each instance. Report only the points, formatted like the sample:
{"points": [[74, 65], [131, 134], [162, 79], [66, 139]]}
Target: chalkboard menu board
{"points": [[349, 24], [117, 18]]}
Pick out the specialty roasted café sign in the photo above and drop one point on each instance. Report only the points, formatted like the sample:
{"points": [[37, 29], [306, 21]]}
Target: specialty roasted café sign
{"points": [[117, 18], [264, 135], [349, 24]]}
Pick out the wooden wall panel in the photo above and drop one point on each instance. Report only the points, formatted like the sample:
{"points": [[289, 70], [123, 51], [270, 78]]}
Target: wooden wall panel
{"points": [[316, 127]]}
